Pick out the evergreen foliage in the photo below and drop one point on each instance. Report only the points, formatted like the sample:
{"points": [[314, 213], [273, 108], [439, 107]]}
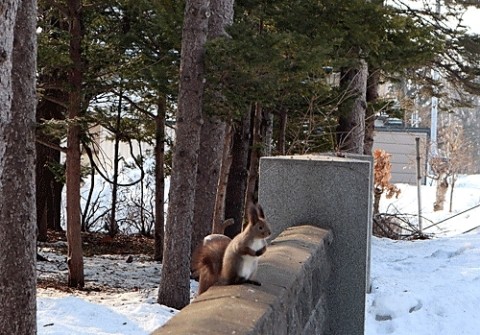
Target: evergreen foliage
{"points": [[131, 52], [282, 54], [285, 55]]}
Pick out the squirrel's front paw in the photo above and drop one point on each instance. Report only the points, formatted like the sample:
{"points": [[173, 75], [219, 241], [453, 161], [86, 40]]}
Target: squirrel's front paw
{"points": [[261, 251], [253, 282]]}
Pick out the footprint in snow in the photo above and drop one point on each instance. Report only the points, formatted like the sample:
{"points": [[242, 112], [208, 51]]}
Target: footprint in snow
{"points": [[450, 254], [388, 307]]}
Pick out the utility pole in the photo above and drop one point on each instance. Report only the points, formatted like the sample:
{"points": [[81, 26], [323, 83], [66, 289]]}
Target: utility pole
{"points": [[419, 182], [434, 116]]}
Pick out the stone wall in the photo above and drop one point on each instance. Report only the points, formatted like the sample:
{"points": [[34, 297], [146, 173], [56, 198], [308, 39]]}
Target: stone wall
{"points": [[309, 285], [294, 274]]}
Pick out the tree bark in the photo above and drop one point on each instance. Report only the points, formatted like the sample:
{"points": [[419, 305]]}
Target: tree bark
{"points": [[268, 139], [255, 153], [221, 16], [282, 129], [212, 140], [377, 196], [209, 165], [113, 226], [159, 177], [237, 179], [351, 125], [17, 167], [440, 194], [219, 212], [452, 186], [48, 191], [48, 186], [174, 290], [73, 162], [371, 98]]}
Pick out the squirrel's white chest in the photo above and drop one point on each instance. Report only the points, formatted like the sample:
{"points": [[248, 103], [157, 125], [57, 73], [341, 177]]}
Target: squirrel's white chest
{"points": [[257, 244], [250, 263]]}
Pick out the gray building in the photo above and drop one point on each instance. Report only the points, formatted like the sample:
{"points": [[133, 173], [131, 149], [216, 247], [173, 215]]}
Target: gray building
{"points": [[399, 142]]}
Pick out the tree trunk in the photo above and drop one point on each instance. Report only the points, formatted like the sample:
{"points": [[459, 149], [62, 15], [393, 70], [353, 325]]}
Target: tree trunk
{"points": [[255, 152], [219, 212], [54, 206], [452, 186], [377, 196], [442, 187], [221, 16], [17, 167], [237, 178], [159, 177], [209, 165], [371, 98], [48, 190], [282, 129], [73, 162], [113, 227], [144, 230], [51, 106], [48, 186], [351, 125], [174, 290], [212, 140], [268, 139]]}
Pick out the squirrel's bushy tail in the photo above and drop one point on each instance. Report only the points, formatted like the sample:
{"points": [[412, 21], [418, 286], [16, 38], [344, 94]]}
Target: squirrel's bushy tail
{"points": [[207, 260]]}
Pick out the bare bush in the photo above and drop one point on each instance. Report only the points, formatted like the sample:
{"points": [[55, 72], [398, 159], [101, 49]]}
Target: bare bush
{"points": [[382, 175]]}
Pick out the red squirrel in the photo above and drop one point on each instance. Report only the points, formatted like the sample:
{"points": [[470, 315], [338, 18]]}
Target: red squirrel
{"points": [[241, 256], [220, 260], [207, 260], [207, 257]]}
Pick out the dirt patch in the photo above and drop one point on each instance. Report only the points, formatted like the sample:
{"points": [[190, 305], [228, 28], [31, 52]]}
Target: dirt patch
{"points": [[122, 263], [102, 244]]}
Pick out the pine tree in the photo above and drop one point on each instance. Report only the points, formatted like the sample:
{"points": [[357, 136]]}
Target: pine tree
{"points": [[137, 42], [174, 287], [17, 167], [212, 140], [73, 155]]}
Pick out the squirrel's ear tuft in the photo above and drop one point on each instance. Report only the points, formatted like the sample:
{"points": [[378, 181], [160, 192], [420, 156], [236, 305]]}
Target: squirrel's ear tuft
{"points": [[260, 212], [252, 213]]}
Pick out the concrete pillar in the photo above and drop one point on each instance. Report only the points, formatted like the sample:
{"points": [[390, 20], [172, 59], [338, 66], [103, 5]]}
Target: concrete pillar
{"points": [[333, 193]]}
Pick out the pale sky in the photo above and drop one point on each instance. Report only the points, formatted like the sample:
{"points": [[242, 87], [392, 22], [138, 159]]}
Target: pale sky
{"points": [[472, 19]]}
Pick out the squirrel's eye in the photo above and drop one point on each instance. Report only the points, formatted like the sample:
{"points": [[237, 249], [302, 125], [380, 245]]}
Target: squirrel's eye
{"points": [[261, 228]]}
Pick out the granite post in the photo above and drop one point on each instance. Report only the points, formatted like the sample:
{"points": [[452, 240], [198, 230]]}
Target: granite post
{"points": [[332, 193]]}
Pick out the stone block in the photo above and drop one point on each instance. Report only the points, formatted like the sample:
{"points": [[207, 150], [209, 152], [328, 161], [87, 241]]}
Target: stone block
{"points": [[332, 193]]}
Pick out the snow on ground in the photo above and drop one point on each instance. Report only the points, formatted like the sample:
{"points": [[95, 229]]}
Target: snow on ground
{"points": [[418, 287], [127, 313], [425, 287], [429, 286], [121, 296]]}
